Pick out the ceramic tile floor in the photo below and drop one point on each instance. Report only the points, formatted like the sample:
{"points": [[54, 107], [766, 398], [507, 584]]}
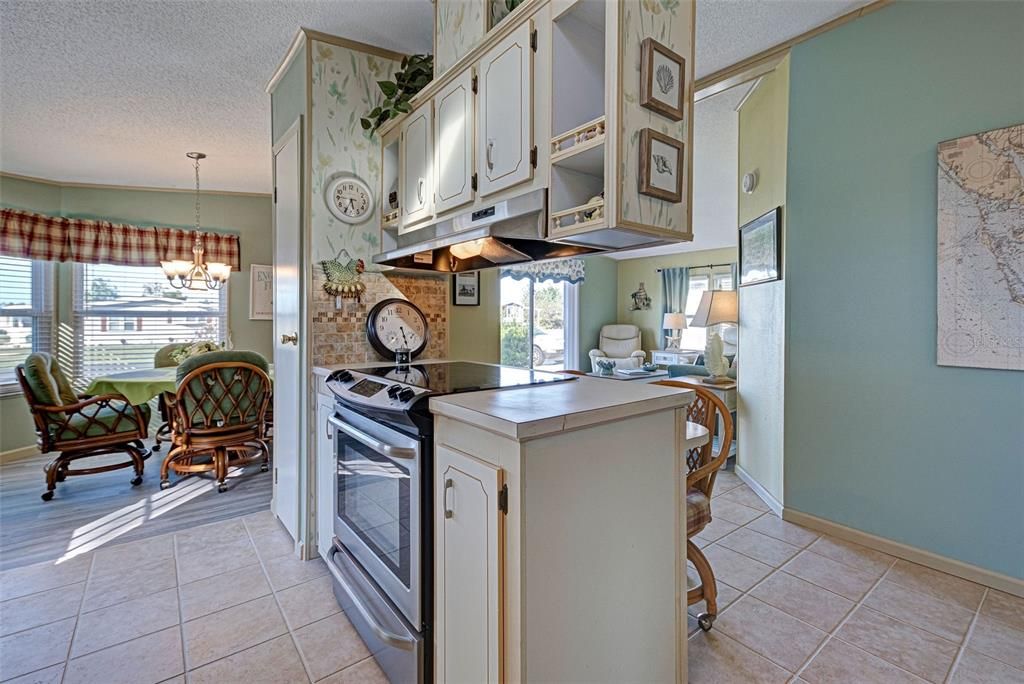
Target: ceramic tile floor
{"points": [[797, 606], [221, 603]]}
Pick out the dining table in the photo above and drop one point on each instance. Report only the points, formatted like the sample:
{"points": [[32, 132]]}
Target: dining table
{"points": [[140, 385]]}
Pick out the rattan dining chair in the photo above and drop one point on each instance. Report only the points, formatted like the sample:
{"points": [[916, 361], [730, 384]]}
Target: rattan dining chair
{"points": [[218, 415], [164, 358], [80, 426], [702, 466]]}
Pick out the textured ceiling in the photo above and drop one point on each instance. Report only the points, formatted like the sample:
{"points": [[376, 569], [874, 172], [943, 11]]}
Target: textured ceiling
{"points": [[116, 91]]}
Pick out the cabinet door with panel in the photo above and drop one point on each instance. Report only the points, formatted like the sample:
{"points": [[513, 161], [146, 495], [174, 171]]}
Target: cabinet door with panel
{"points": [[469, 530], [325, 467], [453, 132], [505, 112], [417, 166]]}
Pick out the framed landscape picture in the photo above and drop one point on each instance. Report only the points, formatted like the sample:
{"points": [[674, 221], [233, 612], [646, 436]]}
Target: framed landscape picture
{"points": [[662, 87], [661, 162], [760, 249], [466, 289]]}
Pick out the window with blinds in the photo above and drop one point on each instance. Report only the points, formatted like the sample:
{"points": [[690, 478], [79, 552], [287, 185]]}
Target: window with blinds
{"points": [[26, 313], [702, 280], [124, 314]]}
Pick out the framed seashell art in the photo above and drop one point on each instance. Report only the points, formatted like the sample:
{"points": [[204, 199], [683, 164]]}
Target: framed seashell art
{"points": [[662, 74]]}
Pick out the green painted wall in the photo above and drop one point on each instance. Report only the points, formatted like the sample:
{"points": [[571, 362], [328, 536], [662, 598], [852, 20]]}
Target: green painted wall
{"points": [[597, 307], [634, 271], [760, 387], [247, 215], [289, 96], [878, 437], [473, 331]]}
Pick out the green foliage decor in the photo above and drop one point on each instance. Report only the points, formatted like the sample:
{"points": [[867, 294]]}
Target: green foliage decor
{"points": [[415, 73]]}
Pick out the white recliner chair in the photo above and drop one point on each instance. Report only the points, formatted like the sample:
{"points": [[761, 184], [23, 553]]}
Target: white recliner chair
{"points": [[619, 343]]}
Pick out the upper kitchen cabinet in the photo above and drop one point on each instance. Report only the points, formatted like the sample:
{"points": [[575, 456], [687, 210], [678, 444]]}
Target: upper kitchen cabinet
{"points": [[621, 108], [505, 132], [454, 133], [459, 25], [417, 151]]}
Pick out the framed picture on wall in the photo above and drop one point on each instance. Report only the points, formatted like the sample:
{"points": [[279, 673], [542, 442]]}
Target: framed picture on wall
{"points": [[662, 84], [466, 289], [760, 249], [661, 161], [261, 292]]}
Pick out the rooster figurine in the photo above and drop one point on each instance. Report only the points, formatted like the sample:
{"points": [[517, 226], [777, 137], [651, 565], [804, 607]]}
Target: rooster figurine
{"points": [[344, 276]]}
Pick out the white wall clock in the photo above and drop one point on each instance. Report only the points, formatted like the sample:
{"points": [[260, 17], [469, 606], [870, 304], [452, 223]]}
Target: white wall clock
{"points": [[349, 198]]}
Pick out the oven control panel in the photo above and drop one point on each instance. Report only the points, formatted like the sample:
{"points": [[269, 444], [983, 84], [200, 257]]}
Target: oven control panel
{"points": [[388, 392]]}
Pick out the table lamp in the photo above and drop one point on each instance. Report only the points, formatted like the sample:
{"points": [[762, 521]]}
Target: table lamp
{"points": [[674, 322], [716, 307]]}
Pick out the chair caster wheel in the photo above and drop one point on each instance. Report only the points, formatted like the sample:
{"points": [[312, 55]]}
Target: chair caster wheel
{"points": [[705, 620], [61, 476], [165, 484], [156, 447], [46, 496], [222, 488], [264, 468], [136, 481]]}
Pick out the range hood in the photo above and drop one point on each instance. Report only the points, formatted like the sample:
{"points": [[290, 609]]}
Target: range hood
{"points": [[509, 232]]}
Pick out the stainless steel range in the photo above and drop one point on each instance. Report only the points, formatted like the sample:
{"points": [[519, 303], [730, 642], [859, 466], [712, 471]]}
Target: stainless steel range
{"points": [[382, 557]]}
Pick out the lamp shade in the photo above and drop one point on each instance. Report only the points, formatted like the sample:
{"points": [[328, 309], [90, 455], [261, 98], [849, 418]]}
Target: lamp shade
{"points": [[716, 306], [673, 321]]}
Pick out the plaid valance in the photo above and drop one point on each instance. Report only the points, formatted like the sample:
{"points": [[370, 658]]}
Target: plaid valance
{"points": [[55, 238]]}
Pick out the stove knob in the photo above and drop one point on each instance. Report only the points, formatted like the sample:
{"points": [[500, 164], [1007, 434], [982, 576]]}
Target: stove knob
{"points": [[406, 394], [394, 390], [344, 376]]}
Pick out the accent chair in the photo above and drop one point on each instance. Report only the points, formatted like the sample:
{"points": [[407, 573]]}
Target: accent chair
{"points": [[619, 343]]}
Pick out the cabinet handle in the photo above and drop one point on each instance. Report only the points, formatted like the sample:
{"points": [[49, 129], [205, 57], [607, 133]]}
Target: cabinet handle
{"points": [[448, 484], [329, 431], [490, 149], [419, 191]]}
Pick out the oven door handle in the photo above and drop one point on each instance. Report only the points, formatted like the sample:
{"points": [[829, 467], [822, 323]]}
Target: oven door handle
{"points": [[391, 639], [372, 442]]}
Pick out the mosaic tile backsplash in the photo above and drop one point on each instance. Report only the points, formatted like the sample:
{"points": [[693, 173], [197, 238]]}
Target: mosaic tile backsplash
{"points": [[339, 335]]}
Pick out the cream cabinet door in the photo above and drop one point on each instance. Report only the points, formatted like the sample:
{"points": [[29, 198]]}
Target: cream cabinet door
{"points": [[453, 131], [468, 553], [417, 166], [325, 468], [505, 125]]}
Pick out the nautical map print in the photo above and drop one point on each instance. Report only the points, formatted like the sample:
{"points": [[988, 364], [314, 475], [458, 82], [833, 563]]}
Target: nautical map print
{"points": [[981, 250]]}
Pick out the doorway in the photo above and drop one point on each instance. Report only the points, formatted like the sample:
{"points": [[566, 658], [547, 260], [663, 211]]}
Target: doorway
{"points": [[539, 327]]}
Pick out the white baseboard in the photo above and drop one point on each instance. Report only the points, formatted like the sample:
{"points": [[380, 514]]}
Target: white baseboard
{"points": [[989, 578], [18, 454], [761, 492]]}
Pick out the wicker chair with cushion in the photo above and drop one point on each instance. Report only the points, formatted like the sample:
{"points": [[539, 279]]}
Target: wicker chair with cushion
{"points": [[164, 359], [619, 343], [702, 468], [80, 426], [218, 415]]}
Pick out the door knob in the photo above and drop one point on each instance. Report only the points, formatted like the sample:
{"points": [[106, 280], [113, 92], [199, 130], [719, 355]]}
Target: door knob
{"points": [[290, 339]]}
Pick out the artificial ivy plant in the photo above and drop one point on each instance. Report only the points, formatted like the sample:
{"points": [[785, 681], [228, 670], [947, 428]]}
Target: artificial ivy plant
{"points": [[416, 71]]}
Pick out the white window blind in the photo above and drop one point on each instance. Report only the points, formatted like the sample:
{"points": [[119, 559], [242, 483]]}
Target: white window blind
{"points": [[124, 314], [719, 279], [26, 313]]}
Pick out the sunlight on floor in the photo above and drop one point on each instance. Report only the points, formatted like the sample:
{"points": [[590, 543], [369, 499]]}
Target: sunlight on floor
{"points": [[103, 530]]}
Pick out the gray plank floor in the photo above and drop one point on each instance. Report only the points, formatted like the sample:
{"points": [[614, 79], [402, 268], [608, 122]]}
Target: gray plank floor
{"points": [[94, 511]]}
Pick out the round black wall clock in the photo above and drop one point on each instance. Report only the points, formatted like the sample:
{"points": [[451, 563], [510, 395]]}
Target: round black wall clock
{"points": [[396, 324]]}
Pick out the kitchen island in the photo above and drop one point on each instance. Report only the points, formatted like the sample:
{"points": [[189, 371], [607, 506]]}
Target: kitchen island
{"points": [[558, 532]]}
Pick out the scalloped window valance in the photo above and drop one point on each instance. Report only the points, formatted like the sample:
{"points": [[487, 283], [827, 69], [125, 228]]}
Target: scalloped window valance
{"points": [[57, 238], [556, 270]]}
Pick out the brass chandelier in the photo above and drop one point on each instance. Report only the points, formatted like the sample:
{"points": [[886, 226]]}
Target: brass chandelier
{"points": [[196, 274]]}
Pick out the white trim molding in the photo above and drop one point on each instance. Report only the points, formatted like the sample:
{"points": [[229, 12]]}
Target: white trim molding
{"points": [[989, 578], [17, 454], [761, 492]]}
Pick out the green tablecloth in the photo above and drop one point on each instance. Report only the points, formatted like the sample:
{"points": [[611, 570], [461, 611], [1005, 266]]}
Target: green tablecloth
{"points": [[139, 386]]}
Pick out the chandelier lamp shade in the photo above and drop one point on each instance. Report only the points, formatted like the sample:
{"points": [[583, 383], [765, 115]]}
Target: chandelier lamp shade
{"points": [[196, 274]]}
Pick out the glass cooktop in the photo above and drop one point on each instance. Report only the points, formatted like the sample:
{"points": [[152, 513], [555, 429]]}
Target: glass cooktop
{"points": [[464, 376]]}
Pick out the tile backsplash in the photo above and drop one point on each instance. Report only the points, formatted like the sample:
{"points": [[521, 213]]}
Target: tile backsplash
{"points": [[339, 335]]}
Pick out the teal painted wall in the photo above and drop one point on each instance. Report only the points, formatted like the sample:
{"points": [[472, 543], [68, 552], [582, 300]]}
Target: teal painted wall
{"points": [[289, 97], [878, 437], [597, 307]]}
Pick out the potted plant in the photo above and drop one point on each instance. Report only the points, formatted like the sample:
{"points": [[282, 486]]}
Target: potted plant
{"points": [[416, 72]]}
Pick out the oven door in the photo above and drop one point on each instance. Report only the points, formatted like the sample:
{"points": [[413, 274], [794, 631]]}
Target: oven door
{"points": [[377, 506]]}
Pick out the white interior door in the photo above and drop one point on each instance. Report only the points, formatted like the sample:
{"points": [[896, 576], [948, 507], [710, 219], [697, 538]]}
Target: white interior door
{"points": [[287, 312], [505, 129], [453, 131]]}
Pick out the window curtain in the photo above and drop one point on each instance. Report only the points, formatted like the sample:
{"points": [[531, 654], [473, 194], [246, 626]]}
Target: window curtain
{"points": [[675, 285], [55, 238], [556, 270]]}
